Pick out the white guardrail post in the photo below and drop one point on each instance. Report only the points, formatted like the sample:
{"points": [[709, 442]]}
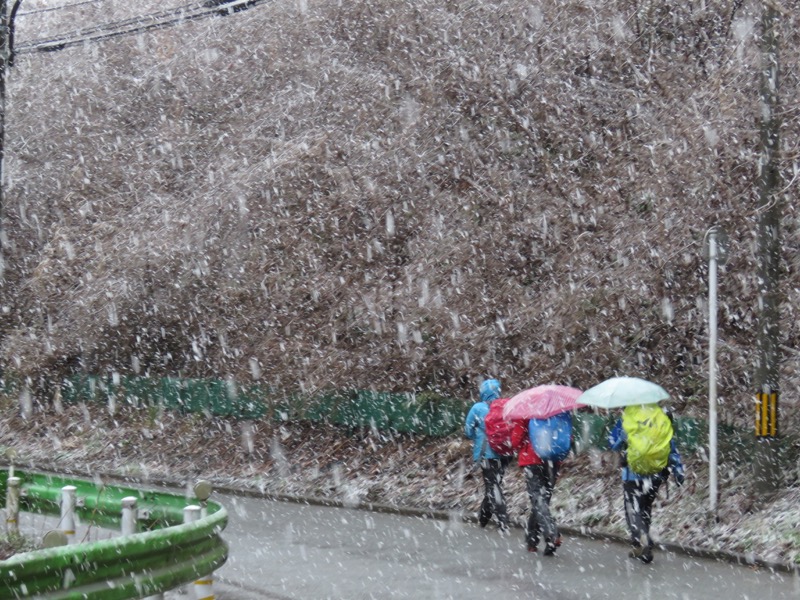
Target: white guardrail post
{"points": [[203, 586], [129, 515], [68, 512], [12, 505]]}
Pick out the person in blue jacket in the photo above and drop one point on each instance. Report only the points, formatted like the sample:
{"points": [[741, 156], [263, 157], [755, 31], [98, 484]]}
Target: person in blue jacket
{"points": [[640, 492], [493, 466]]}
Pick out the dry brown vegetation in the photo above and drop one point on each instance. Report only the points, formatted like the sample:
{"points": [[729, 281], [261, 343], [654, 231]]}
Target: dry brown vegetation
{"points": [[402, 196]]}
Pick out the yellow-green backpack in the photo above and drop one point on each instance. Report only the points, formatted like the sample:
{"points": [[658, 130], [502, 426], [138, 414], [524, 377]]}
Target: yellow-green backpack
{"points": [[649, 433]]}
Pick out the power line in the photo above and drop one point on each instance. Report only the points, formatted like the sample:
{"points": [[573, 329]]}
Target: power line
{"points": [[150, 22], [133, 21], [52, 8]]}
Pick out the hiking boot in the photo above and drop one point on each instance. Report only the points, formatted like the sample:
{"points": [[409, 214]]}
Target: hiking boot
{"points": [[557, 542], [637, 551], [533, 549], [647, 555], [549, 549]]}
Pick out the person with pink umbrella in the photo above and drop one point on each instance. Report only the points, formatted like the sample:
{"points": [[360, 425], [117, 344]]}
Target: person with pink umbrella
{"points": [[542, 437]]}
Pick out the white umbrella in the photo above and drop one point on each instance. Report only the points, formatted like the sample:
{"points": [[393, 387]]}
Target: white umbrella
{"points": [[623, 391]]}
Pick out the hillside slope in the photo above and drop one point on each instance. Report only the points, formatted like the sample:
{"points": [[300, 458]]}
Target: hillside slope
{"points": [[403, 196]]}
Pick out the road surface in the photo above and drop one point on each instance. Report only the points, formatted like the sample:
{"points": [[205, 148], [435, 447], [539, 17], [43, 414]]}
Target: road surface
{"points": [[285, 551]]}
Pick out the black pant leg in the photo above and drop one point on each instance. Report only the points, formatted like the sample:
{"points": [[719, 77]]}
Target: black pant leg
{"points": [[551, 472], [494, 501], [649, 494], [540, 481], [498, 495], [532, 529], [632, 491], [639, 497], [486, 505]]}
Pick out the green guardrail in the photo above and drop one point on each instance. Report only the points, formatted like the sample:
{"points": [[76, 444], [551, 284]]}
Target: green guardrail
{"points": [[164, 554]]}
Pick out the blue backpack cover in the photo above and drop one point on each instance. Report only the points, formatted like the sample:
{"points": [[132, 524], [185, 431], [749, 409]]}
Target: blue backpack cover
{"points": [[551, 438]]}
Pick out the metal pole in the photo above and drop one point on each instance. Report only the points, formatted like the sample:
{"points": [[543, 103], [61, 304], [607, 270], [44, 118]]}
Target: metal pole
{"points": [[68, 512], [712, 372], [4, 54], [12, 505]]}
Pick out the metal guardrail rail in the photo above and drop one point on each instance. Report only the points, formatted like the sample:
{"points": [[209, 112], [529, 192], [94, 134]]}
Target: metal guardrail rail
{"points": [[163, 554]]}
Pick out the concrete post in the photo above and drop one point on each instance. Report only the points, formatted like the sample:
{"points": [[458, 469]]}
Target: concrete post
{"points": [[68, 512], [248, 437], [203, 586], [129, 516], [10, 454], [12, 505]]}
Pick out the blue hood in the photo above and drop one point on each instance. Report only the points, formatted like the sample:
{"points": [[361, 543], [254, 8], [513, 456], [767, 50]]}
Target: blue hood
{"points": [[490, 390]]}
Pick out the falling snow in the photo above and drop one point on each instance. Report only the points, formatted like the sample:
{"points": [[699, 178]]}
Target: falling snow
{"points": [[400, 197]]}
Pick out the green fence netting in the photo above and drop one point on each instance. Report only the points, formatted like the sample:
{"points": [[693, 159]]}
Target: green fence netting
{"points": [[215, 397], [425, 413]]}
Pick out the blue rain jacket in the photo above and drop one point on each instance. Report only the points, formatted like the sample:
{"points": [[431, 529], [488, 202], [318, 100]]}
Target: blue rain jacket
{"points": [[617, 440], [475, 429]]}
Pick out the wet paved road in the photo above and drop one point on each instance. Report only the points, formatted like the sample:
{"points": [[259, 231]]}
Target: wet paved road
{"points": [[284, 551], [291, 552]]}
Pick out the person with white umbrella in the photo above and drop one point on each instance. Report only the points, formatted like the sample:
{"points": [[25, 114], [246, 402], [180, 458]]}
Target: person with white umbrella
{"points": [[645, 437]]}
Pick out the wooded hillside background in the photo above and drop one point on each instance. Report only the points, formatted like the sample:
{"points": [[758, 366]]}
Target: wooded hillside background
{"points": [[403, 196]]}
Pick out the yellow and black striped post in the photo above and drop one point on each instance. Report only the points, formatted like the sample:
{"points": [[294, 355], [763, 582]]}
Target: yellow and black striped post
{"points": [[767, 415]]}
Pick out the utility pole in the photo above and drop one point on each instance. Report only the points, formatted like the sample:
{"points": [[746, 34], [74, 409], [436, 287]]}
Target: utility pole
{"points": [[6, 59], [5, 44], [767, 455]]}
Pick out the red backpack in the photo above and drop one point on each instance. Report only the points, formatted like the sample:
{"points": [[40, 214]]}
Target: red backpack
{"points": [[498, 430]]}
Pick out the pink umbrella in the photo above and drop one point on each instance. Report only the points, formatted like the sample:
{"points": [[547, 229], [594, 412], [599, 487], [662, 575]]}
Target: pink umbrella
{"points": [[541, 402]]}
